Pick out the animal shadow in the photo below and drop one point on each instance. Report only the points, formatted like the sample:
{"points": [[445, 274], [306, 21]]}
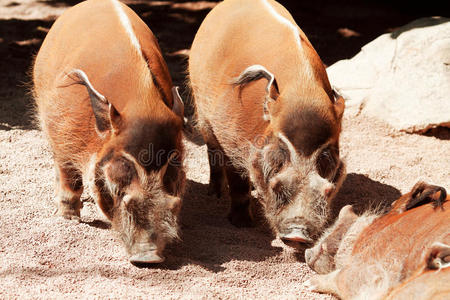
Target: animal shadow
{"points": [[364, 194], [98, 224], [209, 240]]}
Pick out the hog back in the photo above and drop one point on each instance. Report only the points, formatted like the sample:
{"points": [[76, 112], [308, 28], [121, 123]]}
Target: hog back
{"points": [[258, 38]]}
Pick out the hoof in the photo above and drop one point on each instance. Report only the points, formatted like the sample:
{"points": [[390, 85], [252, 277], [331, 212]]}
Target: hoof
{"points": [[69, 214], [70, 210], [72, 218]]}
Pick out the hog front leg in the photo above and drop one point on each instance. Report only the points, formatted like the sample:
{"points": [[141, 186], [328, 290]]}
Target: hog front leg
{"points": [[242, 211], [217, 180], [68, 189]]}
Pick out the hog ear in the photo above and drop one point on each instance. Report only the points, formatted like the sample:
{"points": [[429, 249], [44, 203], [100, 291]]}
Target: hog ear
{"points": [[339, 104], [178, 105], [439, 256], [257, 72], [106, 116], [423, 193]]}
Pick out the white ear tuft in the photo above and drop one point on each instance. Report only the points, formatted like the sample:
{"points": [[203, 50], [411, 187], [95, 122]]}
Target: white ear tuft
{"points": [[439, 256], [84, 80], [178, 105]]}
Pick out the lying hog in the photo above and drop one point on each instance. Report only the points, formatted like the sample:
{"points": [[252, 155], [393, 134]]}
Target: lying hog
{"points": [[104, 99], [376, 256], [269, 117], [427, 283]]}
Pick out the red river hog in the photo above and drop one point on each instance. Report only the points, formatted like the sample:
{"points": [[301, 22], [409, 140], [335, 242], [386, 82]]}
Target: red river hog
{"points": [[401, 254], [114, 123], [269, 117]]}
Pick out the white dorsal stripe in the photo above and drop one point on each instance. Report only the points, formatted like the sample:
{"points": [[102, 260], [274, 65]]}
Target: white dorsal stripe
{"points": [[284, 21], [126, 25], [307, 66]]}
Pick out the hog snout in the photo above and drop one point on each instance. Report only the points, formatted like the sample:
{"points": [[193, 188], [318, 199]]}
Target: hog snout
{"points": [[147, 225], [309, 257], [145, 253], [319, 259], [296, 236]]}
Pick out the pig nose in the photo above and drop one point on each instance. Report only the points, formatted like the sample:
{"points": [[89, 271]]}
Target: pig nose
{"points": [[147, 257], [296, 237], [145, 253]]}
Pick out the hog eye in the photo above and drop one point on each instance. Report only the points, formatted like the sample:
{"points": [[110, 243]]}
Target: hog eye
{"points": [[326, 162], [275, 161], [277, 167]]}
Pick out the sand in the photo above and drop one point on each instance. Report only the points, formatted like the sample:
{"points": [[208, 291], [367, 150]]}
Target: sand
{"points": [[45, 256]]}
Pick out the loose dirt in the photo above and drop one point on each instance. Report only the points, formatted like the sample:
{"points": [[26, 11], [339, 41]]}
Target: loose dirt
{"points": [[44, 256]]}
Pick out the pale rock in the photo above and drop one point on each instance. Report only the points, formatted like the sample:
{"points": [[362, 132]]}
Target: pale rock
{"points": [[402, 78]]}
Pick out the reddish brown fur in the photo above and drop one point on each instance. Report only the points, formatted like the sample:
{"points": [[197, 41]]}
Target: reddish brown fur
{"points": [[407, 233], [237, 34], [392, 252], [136, 83], [426, 285]]}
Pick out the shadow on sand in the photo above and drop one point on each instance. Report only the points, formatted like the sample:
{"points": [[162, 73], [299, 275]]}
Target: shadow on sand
{"points": [[209, 240], [364, 194]]}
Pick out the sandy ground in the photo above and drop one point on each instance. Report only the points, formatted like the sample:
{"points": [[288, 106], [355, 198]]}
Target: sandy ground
{"points": [[43, 256]]}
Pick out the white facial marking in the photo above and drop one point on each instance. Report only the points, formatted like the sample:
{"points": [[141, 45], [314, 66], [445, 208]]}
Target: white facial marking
{"points": [[319, 184], [294, 155], [126, 25], [113, 188], [126, 199]]}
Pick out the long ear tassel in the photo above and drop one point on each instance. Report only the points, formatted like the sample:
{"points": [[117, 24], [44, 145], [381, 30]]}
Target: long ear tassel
{"points": [[100, 105], [162, 171], [178, 105], [438, 256], [266, 115], [84, 80], [253, 73]]}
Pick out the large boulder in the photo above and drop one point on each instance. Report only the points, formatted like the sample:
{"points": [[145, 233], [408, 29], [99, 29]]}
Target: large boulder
{"points": [[402, 77]]}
